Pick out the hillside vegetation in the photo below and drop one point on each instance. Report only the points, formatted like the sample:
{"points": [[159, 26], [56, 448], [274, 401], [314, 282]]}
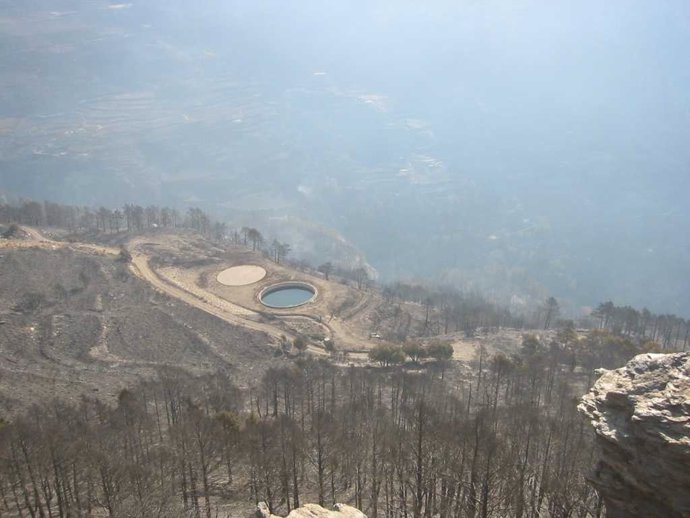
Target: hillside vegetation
{"points": [[151, 394]]}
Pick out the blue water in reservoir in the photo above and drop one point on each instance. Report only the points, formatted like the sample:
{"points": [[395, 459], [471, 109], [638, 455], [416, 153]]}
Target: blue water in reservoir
{"points": [[286, 297]]}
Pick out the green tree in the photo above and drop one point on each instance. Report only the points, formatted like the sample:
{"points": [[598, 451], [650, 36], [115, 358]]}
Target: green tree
{"points": [[11, 231], [300, 344], [124, 256], [415, 351], [531, 345], [386, 355], [566, 333], [442, 352]]}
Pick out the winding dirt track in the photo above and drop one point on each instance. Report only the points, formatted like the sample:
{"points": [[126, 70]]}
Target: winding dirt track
{"points": [[211, 304], [208, 302], [140, 267], [203, 300], [240, 315]]}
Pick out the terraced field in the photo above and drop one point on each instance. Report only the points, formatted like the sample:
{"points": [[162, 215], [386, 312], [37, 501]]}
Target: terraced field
{"points": [[74, 323]]}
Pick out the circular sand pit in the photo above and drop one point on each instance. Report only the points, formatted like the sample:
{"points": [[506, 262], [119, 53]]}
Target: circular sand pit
{"points": [[241, 275]]}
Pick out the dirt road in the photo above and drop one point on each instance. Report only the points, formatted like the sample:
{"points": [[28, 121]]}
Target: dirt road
{"points": [[209, 303], [38, 240], [189, 292], [190, 295]]}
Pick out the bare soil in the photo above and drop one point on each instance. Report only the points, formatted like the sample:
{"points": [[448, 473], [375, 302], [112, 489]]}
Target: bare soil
{"points": [[349, 316], [241, 275], [74, 319]]}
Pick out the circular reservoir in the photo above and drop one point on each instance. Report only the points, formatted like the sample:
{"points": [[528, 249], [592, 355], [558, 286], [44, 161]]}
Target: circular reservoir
{"points": [[241, 275], [287, 295]]}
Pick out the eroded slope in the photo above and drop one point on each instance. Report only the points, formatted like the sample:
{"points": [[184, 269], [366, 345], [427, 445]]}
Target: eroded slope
{"points": [[75, 323]]}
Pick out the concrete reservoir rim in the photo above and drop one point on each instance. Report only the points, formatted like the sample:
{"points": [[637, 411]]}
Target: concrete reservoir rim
{"points": [[285, 286]]}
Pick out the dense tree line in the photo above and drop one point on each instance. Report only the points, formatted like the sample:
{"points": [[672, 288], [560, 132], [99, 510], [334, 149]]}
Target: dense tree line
{"points": [[134, 218], [671, 331], [507, 443], [130, 217], [388, 354], [447, 310], [587, 351]]}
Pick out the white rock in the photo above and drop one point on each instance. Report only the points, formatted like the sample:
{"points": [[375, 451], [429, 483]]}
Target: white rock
{"points": [[641, 416], [313, 511]]}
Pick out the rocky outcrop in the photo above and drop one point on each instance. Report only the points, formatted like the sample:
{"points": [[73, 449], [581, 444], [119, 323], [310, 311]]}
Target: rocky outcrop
{"points": [[313, 511], [641, 416]]}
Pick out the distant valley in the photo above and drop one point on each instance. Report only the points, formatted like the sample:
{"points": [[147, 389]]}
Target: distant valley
{"points": [[416, 187]]}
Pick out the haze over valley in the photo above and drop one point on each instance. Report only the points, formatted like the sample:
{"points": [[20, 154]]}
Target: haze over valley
{"points": [[519, 150], [344, 259]]}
